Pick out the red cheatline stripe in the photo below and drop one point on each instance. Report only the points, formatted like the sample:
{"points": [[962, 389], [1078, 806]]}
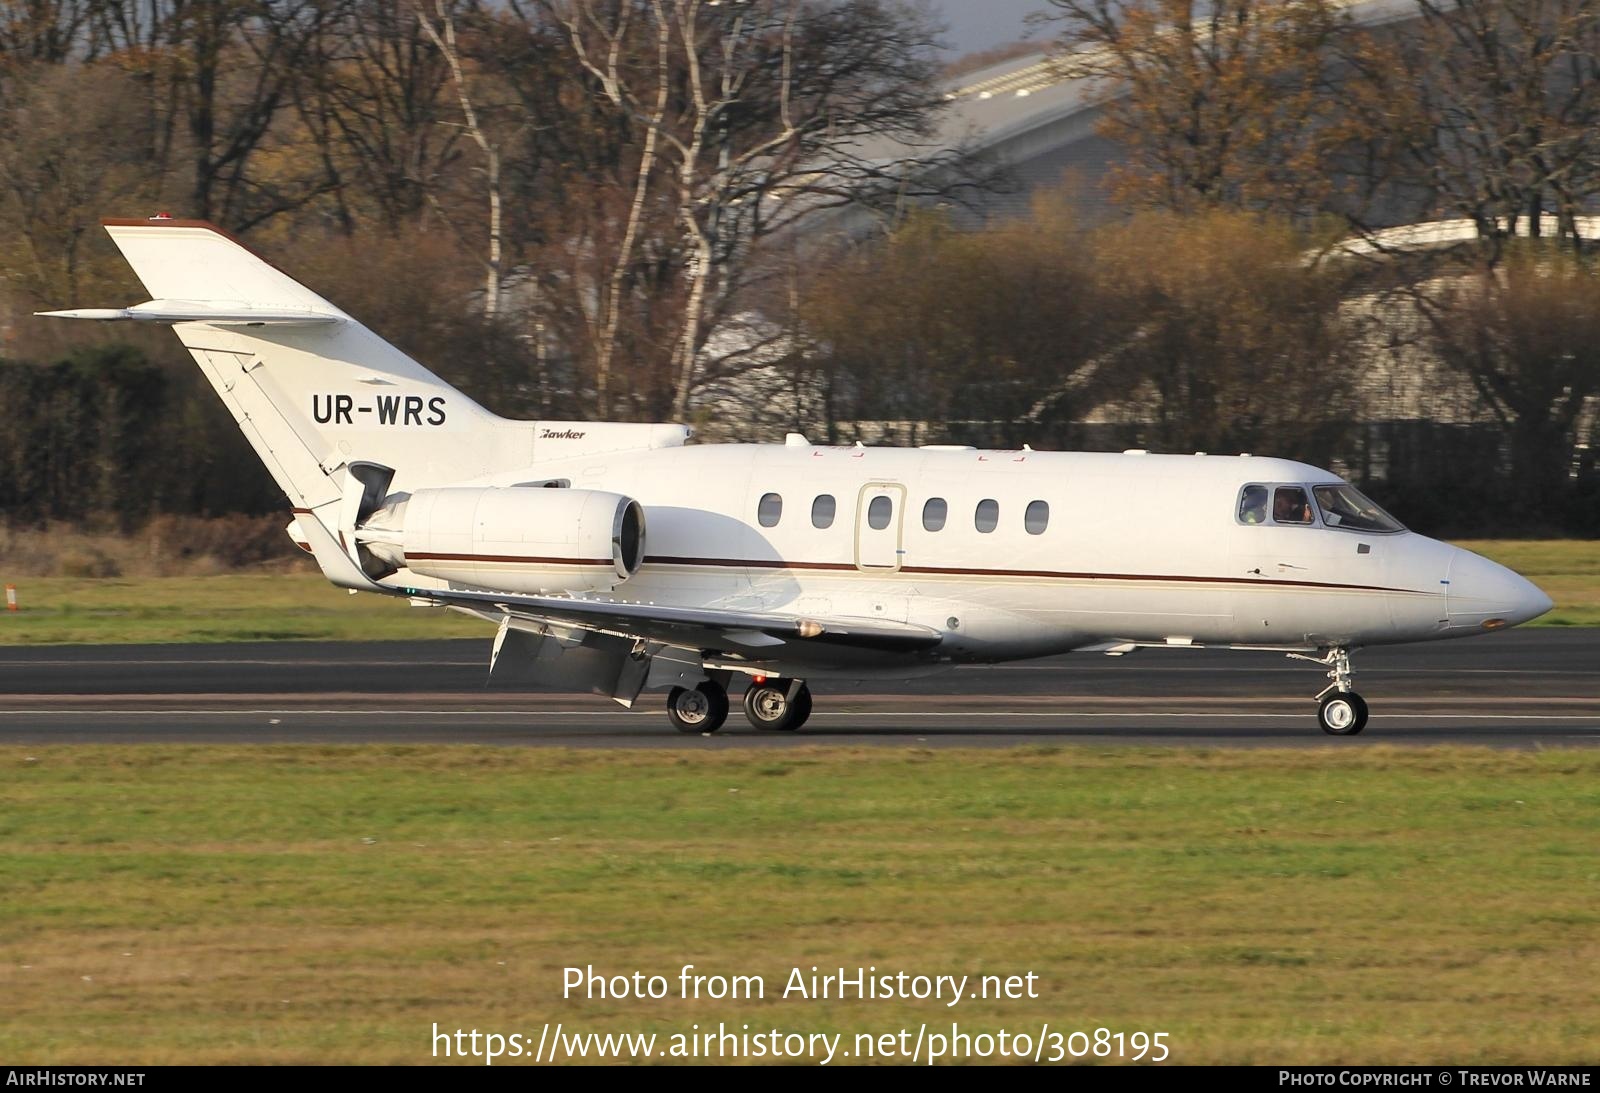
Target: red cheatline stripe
{"points": [[767, 563], [752, 563], [952, 571]]}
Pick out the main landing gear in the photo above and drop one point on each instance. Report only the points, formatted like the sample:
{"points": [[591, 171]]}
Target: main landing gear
{"points": [[781, 705], [699, 709], [1340, 711]]}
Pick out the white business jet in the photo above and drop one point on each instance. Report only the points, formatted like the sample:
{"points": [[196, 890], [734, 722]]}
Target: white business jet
{"points": [[615, 559]]}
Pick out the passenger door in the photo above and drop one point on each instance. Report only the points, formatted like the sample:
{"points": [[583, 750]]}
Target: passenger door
{"points": [[880, 514]]}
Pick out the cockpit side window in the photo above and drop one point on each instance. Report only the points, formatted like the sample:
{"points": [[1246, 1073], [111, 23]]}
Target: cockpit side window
{"points": [[1253, 505], [1348, 508], [1291, 505]]}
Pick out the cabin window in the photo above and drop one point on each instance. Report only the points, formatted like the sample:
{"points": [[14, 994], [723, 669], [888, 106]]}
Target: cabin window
{"points": [[1347, 507], [879, 511], [770, 510], [1253, 505], [934, 513], [1037, 518], [1291, 505], [822, 511], [987, 517]]}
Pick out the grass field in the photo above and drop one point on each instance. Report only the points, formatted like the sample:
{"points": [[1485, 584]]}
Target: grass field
{"points": [[284, 606], [233, 607], [167, 904]]}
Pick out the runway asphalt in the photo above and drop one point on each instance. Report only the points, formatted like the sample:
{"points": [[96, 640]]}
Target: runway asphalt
{"points": [[1527, 688]]}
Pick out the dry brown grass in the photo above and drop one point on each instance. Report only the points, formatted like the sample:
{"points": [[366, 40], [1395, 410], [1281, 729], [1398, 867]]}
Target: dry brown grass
{"points": [[166, 546]]}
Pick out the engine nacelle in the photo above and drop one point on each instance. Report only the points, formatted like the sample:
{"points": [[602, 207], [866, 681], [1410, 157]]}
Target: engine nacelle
{"points": [[511, 539]]}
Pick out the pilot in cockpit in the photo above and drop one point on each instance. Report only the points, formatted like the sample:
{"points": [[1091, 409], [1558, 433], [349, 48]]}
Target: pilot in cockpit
{"points": [[1290, 505]]}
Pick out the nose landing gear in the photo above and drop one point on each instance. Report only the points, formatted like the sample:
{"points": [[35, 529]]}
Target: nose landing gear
{"points": [[1340, 711], [1342, 714]]}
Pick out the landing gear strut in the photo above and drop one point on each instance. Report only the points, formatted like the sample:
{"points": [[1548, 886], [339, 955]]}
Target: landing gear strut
{"points": [[779, 705], [1340, 711], [701, 709]]}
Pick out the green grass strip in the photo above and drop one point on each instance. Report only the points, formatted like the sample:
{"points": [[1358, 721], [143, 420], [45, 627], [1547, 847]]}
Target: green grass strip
{"points": [[303, 606], [294, 904]]}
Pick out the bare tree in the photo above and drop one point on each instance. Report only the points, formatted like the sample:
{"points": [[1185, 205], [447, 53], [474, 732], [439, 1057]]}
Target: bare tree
{"points": [[1526, 336], [749, 118], [598, 41], [70, 148], [997, 333], [1241, 344], [1214, 104], [439, 23], [377, 100], [1487, 108], [44, 30], [224, 71]]}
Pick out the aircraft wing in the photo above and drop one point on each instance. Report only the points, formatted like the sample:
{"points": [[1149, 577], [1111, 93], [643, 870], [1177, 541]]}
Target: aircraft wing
{"points": [[698, 627], [748, 633]]}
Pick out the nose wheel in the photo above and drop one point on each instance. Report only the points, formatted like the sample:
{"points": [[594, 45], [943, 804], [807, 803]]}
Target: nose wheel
{"points": [[1340, 711], [1342, 714]]}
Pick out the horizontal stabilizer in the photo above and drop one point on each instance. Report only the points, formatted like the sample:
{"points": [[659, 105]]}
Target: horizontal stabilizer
{"points": [[311, 388], [213, 312]]}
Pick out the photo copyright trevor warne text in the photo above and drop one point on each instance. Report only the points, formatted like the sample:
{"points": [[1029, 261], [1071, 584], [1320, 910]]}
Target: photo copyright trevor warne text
{"points": [[1436, 1077], [941, 1038]]}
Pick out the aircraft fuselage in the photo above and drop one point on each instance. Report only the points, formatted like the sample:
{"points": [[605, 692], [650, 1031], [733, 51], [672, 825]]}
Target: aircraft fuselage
{"points": [[1036, 552]]}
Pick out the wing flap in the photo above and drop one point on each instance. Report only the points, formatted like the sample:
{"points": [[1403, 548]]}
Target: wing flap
{"points": [[698, 627], [694, 628]]}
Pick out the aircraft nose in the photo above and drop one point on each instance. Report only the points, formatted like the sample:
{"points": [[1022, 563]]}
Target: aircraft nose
{"points": [[1486, 595]]}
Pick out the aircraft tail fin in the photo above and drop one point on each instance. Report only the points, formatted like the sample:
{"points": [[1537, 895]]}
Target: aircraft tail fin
{"points": [[312, 389], [195, 260]]}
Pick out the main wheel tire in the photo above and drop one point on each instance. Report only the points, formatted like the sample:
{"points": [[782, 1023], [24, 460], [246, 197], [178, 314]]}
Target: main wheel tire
{"points": [[1342, 714], [768, 706], [802, 707], [701, 709]]}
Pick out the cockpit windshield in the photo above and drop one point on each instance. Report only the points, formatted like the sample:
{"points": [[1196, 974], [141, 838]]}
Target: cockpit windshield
{"points": [[1346, 507]]}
